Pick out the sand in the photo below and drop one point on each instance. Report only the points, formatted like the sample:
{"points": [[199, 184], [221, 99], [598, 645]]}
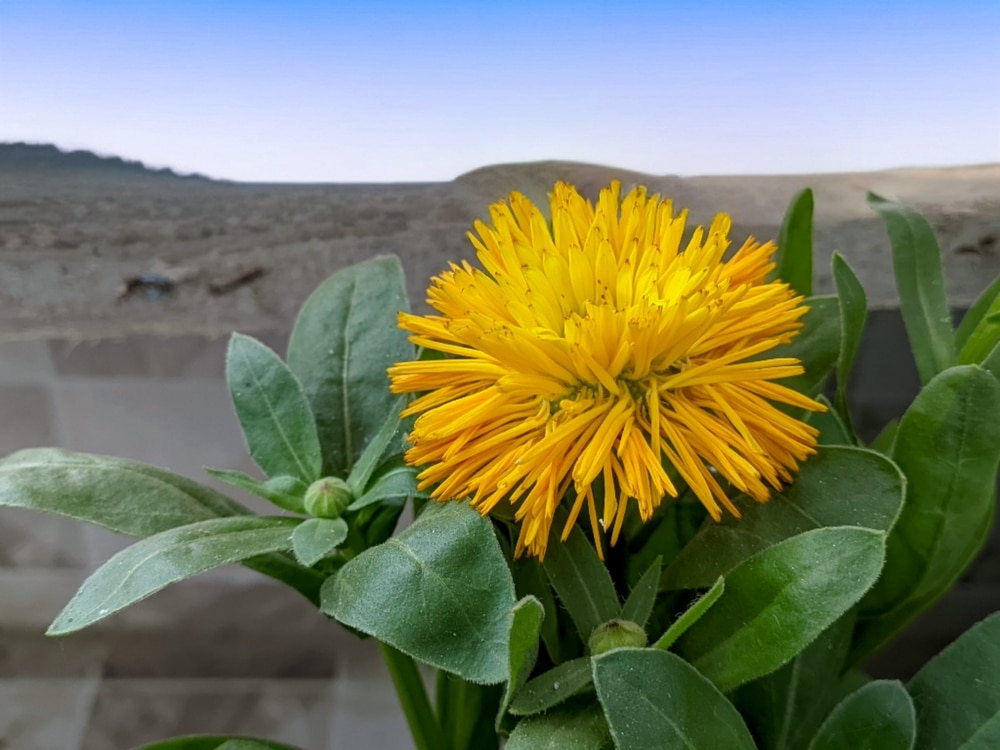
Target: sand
{"points": [[73, 231]]}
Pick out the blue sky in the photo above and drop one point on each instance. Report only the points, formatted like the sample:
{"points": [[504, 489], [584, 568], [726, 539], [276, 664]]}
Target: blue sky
{"points": [[401, 91]]}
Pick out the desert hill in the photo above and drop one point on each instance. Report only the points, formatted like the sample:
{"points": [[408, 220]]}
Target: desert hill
{"points": [[47, 159], [74, 227]]}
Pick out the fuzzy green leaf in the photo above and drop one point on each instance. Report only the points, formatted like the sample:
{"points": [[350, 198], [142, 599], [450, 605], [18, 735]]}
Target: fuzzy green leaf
{"points": [[576, 726], [785, 708], [277, 422], [525, 627], [582, 582], [948, 446], [780, 600], [983, 305], [878, 715], [884, 440], [691, 615], [795, 244], [975, 314], [285, 492], [440, 592], [992, 362], [344, 340], [530, 580], [817, 345], [984, 337], [391, 432], [315, 538], [832, 430], [125, 497], [916, 260], [853, 314], [129, 498], [655, 699], [394, 479], [552, 687], [170, 556], [957, 694], [839, 486], [641, 599]]}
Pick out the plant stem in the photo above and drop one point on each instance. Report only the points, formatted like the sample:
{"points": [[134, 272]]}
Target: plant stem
{"points": [[424, 727]]}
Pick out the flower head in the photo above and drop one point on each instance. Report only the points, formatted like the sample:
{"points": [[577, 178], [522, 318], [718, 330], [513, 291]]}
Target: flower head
{"points": [[589, 353]]}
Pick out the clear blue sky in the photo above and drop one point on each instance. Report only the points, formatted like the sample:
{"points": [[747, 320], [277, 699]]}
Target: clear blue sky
{"points": [[397, 91]]}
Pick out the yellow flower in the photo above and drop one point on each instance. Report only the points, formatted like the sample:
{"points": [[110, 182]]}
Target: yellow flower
{"points": [[589, 350]]}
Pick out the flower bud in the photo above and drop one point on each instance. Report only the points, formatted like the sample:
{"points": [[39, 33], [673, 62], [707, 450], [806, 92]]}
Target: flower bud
{"points": [[616, 634], [328, 497]]}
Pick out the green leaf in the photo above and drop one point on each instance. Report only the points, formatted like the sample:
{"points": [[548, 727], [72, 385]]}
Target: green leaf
{"points": [[285, 492], [202, 742], [530, 580], [672, 527], [553, 687], [581, 581], [522, 652], [839, 486], [817, 345], [466, 712], [948, 445], [122, 496], [641, 599], [374, 523], [853, 314], [992, 362], [344, 340], [425, 728], [916, 260], [878, 715], [440, 592], [832, 430], [691, 615], [395, 479], [281, 566], [277, 422], [315, 538], [884, 440], [957, 694], [129, 498], [979, 310], [375, 452], [576, 726], [170, 556], [785, 708], [780, 600], [654, 699], [795, 244], [984, 337]]}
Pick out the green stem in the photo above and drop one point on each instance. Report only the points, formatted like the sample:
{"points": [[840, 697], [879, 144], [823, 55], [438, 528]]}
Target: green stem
{"points": [[412, 694], [466, 712]]}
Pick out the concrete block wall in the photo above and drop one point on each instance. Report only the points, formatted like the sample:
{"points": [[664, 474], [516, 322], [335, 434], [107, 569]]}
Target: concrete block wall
{"points": [[227, 652], [230, 651]]}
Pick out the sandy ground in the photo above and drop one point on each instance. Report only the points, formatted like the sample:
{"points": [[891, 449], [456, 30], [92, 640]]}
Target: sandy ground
{"points": [[72, 234]]}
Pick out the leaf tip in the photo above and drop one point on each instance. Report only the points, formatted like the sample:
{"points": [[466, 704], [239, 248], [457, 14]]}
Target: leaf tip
{"points": [[61, 626]]}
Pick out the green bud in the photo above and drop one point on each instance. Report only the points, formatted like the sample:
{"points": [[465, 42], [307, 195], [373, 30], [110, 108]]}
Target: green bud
{"points": [[616, 634], [328, 497]]}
